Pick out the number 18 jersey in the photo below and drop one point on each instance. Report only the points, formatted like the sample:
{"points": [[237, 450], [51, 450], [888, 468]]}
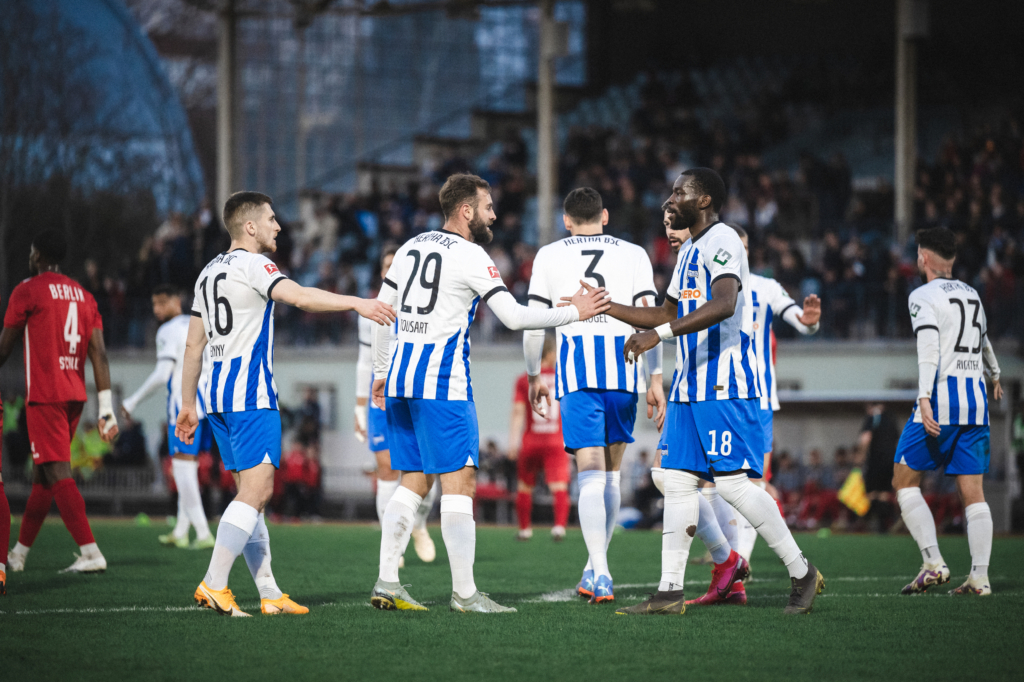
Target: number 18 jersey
{"points": [[954, 310], [232, 297], [440, 279]]}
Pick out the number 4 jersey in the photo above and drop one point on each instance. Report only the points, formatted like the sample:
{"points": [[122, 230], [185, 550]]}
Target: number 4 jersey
{"points": [[232, 297], [953, 310], [58, 317]]}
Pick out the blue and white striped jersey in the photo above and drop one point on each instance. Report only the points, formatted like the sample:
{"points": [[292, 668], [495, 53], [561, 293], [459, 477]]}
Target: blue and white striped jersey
{"points": [[170, 354], [954, 310], [769, 300], [232, 297], [589, 354], [718, 363], [440, 280]]}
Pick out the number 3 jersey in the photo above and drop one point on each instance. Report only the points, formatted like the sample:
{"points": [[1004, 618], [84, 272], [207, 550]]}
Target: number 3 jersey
{"points": [[232, 297], [58, 317], [953, 310], [439, 280], [590, 353], [718, 363]]}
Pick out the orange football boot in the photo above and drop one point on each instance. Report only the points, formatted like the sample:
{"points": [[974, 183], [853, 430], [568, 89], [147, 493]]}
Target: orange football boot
{"points": [[221, 601], [271, 607]]}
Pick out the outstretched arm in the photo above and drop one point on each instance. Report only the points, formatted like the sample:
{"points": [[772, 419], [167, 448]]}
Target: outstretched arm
{"points": [[157, 378], [804, 320], [639, 317], [101, 373], [191, 368], [582, 306], [314, 300]]}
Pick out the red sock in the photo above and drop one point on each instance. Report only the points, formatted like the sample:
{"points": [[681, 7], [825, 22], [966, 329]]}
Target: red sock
{"points": [[738, 586], [72, 511], [5, 525], [36, 509], [562, 508], [524, 509]]}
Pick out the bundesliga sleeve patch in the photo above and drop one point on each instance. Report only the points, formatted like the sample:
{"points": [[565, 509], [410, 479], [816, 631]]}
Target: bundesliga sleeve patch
{"points": [[271, 269], [493, 272]]}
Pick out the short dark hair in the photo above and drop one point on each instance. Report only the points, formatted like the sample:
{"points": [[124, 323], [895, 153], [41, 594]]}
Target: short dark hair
{"points": [[166, 290], [583, 205], [739, 230], [51, 245], [710, 183], [941, 240], [239, 205], [460, 189]]}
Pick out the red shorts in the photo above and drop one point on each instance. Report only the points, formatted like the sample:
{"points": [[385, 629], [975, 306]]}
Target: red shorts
{"points": [[51, 426], [553, 459]]}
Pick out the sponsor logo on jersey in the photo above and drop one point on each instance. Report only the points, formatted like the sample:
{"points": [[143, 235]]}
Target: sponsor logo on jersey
{"points": [[689, 294], [722, 257], [914, 309], [493, 272], [271, 269]]}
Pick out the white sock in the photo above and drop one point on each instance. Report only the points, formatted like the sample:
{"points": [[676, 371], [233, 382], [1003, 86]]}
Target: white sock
{"points": [[710, 532], [385, 489], [257, 557], [180, 478], [20, 549], [90, 550], [395, 530], [237, 524], [593, 519], [979, 537], [725, 514], [459, 532], [612, 503], [682, 510], [425, 506], [758, 507], [921, 524], [186, 477], [746, 537]]}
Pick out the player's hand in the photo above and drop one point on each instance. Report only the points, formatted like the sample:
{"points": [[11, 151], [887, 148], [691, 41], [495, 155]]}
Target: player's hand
{"points": [[812, 311], [997, 390], [185, 427], [378, 392], [108, 428], [589, 301], [378, 311], [931, 427], [639, 343], [360, 423], [540, 397], [656, 402]]}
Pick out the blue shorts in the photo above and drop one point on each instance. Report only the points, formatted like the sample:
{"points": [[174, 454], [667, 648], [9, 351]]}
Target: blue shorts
{"points": [[376, 428], [432, 436], [593, 418], [715, 436], [963, 450], [176, 446], [767, 417], [248, 438]]}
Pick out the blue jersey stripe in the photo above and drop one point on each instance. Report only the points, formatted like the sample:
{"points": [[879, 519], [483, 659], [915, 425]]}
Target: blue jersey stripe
{"points": [[563, 359], [691, 339], [444, 372], [420, 377], [620, 361], [747, 369], [403, 367], [767, 331], [599, 368], [268, 356], [954, 401], [714, 349], [984, 400], [734, 389], [214, 382], [465, 348], [579, 363], [229, 386], [972, 403], [256, 362], [391, 368]]}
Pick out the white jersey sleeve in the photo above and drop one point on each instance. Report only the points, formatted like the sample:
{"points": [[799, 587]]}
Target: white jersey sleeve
{"points": [[769, 300]]}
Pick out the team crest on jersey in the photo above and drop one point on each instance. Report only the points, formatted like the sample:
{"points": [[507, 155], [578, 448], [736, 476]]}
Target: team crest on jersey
{"points": [[722, 257], [689, 294], [493, 272], [271, 269]]}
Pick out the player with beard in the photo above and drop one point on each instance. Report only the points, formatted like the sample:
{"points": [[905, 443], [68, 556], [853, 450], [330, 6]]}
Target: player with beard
{"points": [[436, 282]]}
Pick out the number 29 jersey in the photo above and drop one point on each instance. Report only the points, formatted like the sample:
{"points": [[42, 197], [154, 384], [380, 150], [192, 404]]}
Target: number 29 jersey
{"points": [[954, 310], [232, 296], [440, 279], [58, 317]]}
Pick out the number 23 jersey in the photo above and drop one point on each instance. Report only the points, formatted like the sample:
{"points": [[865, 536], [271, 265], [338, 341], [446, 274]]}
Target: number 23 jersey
{"points": [[232, 297], [954, 310], [440, 279], [58, 317]]}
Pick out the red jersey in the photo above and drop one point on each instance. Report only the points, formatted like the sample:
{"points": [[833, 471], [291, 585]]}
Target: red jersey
{"points": [[540, 433], [58, 317]]}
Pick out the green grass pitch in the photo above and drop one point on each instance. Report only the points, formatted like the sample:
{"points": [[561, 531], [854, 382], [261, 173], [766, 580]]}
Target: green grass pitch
{"points": [[136, 621]]}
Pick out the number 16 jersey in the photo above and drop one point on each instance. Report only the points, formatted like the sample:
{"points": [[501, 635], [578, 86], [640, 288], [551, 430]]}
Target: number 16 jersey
{"points": [[440, 279], [953, 309], [232, 297]]}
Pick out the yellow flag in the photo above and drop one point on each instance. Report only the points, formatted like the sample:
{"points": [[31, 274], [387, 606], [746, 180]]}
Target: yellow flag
{"points": [[853, 493]]}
